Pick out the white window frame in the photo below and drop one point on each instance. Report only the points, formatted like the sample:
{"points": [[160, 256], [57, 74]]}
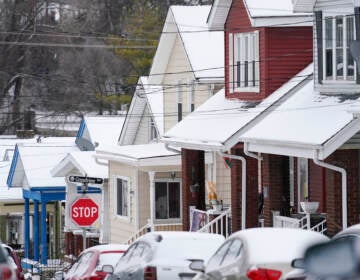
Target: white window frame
{"points": [[334, 78], [244, 47], [152, 130], [127, 179], [170, 220]]}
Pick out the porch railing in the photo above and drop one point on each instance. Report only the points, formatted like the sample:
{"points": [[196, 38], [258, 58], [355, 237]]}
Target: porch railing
{"points": [[320, 227], [304, 223], [157, 227], [219, 225]]}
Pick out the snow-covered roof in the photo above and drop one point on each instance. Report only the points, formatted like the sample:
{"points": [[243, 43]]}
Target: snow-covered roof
{"points": [[204, 48], [222, 120], [8, 194], [261, 13], [32, 163], [84, 162], [277, 245], [154, 154], [107, 247], [105, 130], [57, 121], [155, 99], [307, 121]]}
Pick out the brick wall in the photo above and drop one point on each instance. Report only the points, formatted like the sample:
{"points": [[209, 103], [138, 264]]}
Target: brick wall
{"points": [[348, 159], [251, 191], [316, 185], [193, 171], [275, 177]]}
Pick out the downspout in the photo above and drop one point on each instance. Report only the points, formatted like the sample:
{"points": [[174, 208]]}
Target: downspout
{"points": [[343, 185], [249, 154], [243, 179]]}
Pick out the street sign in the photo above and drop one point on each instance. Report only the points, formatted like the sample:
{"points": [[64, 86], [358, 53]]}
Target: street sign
{"points": [[84, 212], [86, 180]]}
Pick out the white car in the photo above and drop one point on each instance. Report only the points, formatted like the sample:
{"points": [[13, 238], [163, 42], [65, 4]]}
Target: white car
{"points": [[165, 255], [258, 254]]}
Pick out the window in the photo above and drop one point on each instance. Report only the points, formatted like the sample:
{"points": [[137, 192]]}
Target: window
{"points": [[216, 260], [303, 174], [191, 97], [167, 200], [153, 131], [179, 101], [244, 62], [122, 195], [338, 63]]}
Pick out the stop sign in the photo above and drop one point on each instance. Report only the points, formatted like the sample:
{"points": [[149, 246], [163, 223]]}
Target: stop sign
{"points": [[84, 212]]}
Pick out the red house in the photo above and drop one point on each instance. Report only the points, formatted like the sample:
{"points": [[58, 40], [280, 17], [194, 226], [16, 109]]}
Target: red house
{"points": [[266, 46]]}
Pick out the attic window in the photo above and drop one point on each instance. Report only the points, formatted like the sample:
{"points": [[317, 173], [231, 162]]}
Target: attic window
{"points": [[338, 63], [244, 62]]}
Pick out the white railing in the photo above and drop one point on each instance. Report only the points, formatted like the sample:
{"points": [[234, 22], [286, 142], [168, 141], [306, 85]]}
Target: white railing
{"points": [[320, 227], [219, 225], [304, 223], [137, 234]]}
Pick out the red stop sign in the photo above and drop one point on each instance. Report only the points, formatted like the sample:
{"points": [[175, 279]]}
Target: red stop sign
{"points": [[84, 212]]}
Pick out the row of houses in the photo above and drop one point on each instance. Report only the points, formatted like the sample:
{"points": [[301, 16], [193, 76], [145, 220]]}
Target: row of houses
{"points": [[252, 97]]}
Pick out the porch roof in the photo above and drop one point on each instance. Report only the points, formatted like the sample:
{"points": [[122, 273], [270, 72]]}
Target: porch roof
{"points": [[83, 162], [219, 122], [304, 124], [32, 163], [140, 155]]}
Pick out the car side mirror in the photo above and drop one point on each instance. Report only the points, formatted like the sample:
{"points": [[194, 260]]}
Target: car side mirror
{"points": [[319, 259], [298, 263], [197, 265], [108, 268]]}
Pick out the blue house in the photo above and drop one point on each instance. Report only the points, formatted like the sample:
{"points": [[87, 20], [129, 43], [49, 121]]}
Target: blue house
{"points": [[42, 193]]}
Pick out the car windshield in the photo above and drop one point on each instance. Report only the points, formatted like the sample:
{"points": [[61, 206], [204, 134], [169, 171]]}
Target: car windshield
{"points": [[189, 248], [110, 258]]}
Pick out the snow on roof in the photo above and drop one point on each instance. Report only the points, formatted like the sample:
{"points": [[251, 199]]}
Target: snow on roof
{"points": [[104, 130], [84, 161], [204, 48], [221, 118], [137, 152], [108, 247], [8, 194], [38, 159], [307, 118], [261, 8], [155, 98], [277, 245]]}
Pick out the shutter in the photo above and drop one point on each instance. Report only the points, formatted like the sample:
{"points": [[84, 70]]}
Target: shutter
{"points": [[319, 41], [357, 34]]}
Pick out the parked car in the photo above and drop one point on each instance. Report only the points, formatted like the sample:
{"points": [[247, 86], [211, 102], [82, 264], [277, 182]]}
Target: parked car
{"points": [[7, 269], [349, 233], [338, 259], [165, 255], [14, 261], [90, 262], [257, 254]]}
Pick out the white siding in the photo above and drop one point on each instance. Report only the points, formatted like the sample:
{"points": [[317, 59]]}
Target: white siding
{"points": [[337, 5], [142, 134]]}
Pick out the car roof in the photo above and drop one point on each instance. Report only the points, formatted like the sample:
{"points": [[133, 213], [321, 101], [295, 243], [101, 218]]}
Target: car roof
{"points": [[107, 247], [277, 244], [355, 229], [157, 236]]}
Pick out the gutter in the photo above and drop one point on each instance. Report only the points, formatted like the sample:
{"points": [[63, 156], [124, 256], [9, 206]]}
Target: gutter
{"points": [[343, 185], [243, 182]]}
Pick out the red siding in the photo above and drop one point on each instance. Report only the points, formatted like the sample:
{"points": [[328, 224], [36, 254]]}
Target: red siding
{"points": [[283, 51]]}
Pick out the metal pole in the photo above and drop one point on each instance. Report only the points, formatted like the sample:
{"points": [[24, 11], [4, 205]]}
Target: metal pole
{"points": [[84, 239]]}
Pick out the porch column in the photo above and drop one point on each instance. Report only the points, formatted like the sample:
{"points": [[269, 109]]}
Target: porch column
{"points": [[193, 172], [152, 199], [43, 234], [36, 230], [26, 227]]}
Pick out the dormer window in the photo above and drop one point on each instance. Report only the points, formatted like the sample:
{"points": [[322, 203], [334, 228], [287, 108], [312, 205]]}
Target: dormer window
{"points": [[338, 64], [244, 62]]}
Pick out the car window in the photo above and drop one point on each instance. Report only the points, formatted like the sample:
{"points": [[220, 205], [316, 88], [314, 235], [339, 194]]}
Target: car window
{"points": [[80, 266], [109, 258], [232, 253], [126, 257], [218, 257]]}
